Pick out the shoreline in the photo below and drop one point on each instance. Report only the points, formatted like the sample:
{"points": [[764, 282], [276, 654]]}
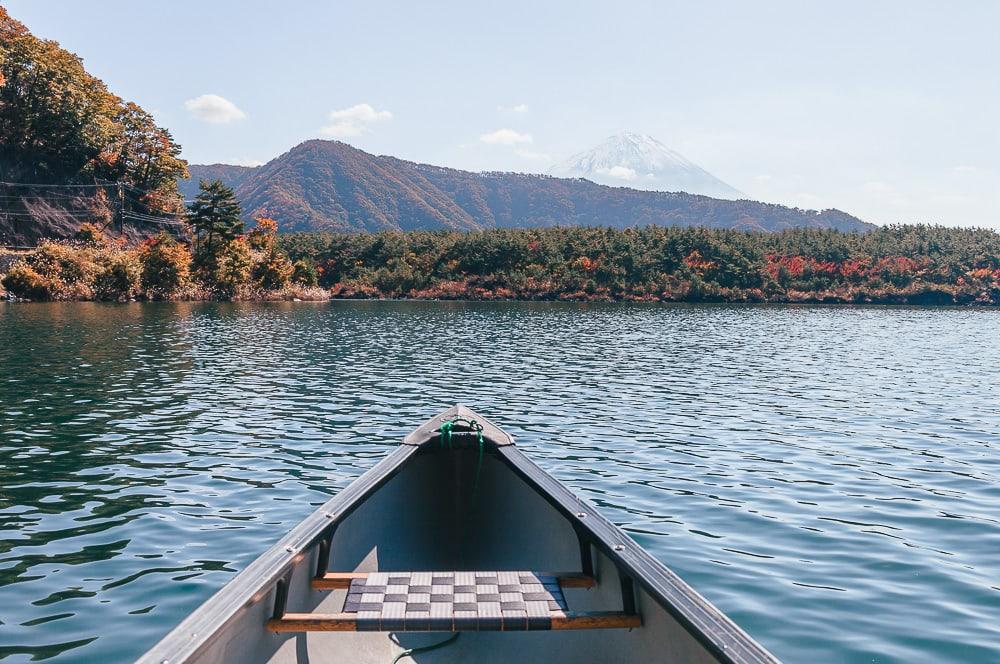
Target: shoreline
{"points": [[807, 301]]}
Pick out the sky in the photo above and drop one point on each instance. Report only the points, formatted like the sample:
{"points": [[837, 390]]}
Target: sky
{"points": [[887, 110]]}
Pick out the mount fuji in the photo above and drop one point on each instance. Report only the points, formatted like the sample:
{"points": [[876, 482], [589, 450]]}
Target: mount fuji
{"points": [[642, 162]]}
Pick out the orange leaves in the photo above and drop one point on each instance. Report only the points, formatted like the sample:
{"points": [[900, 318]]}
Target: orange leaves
{"points": [[107, 158], [853, 269], [983, 274], [795, 267], [263, 234], [266, 226], [897, 265], [695, 261]]}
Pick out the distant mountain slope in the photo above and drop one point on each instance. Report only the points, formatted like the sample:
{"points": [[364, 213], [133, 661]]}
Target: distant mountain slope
{"points": [[228, 173], [642, 162], [329, 185]]}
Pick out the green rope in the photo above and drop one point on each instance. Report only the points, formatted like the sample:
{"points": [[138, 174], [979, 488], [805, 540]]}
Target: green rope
{"points": [[433, 646], [446, 428], [445, 441]]}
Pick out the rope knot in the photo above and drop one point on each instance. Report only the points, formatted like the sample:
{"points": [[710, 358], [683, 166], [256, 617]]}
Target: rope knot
{"points": [[446, 428], [444, 440]]}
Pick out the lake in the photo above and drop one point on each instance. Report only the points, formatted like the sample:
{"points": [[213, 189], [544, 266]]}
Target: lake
{"points": [[829, 477]]}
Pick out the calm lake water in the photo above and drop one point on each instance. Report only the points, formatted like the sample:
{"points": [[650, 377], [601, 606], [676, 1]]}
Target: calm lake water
{"points": [[830, 477]]}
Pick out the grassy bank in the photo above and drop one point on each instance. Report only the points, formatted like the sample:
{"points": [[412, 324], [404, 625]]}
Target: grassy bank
{"points": [[93, 267], [893, 265]]}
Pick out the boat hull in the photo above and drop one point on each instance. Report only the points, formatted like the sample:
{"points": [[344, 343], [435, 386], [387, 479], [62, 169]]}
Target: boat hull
{"points": [[433, 508]]}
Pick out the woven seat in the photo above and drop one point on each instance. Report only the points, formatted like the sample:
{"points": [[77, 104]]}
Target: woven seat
{"points": [[452, 601], [419, 601]]}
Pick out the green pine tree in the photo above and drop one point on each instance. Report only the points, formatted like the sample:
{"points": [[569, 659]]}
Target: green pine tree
{"points": [[214, 216]]}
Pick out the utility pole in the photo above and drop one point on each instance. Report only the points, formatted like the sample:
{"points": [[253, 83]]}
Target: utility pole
{"points": [[121, 208]]}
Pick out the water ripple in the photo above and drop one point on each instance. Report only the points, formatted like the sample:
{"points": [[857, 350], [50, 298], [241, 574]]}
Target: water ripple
{"points": [[835, 467]]}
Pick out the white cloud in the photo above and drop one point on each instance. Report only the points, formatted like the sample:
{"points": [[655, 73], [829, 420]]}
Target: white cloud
{"points": [[214, 109], [360, 114], [353, 121], [965, 170], [341, 130], [619, 173], [506, 137], [533, 156], [516, 108]]}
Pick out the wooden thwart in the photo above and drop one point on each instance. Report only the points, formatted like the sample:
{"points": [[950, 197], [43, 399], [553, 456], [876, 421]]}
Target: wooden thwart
{"points": [[314, 622], [347, 622], [596, 620], [342, 580]]}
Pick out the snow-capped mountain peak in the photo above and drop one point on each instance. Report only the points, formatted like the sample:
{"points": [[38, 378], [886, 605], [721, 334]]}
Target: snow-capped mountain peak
{"points": [[642, 162]]}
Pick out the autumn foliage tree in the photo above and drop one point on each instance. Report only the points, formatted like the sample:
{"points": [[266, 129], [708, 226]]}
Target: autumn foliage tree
{"points": [[60, 125], [145, 156], [166, 266], [273, 270], [262, 235]]}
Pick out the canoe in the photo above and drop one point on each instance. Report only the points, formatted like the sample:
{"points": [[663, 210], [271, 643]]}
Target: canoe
{"points": [[456, 533]]}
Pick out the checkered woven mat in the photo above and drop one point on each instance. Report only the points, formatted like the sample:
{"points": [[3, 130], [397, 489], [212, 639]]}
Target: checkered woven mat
{"points": [[454, 601]]}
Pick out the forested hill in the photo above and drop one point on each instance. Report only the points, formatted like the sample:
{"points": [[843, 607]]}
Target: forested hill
{"points": [[331, 186], [71, 151]]}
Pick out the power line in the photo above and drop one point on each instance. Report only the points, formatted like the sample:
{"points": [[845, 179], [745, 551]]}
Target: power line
{"points": [[83, 213], [39, 196], [75, 186], [146, 214], [123, 214], [69, 186], [64, 213], [153, 220]]}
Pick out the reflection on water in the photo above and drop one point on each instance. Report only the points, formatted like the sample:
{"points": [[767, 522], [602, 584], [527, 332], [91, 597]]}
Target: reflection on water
{"points": [[829, 477]]}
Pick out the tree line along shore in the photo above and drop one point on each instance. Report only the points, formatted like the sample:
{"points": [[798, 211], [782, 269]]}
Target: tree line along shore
{"points": [[215, 258]]}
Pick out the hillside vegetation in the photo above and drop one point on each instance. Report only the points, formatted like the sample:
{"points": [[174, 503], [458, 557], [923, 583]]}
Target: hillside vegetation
{"points": [[331, 186], [78, 152], [895, 265], [223, 261], [901, 264]]}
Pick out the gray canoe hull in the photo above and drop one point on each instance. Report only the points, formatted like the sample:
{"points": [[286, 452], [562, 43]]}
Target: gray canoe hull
{"points": [[423, 509]]}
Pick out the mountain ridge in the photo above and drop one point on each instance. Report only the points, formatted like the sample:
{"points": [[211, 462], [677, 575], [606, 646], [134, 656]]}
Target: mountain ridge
{"points": [[323, 185]]}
